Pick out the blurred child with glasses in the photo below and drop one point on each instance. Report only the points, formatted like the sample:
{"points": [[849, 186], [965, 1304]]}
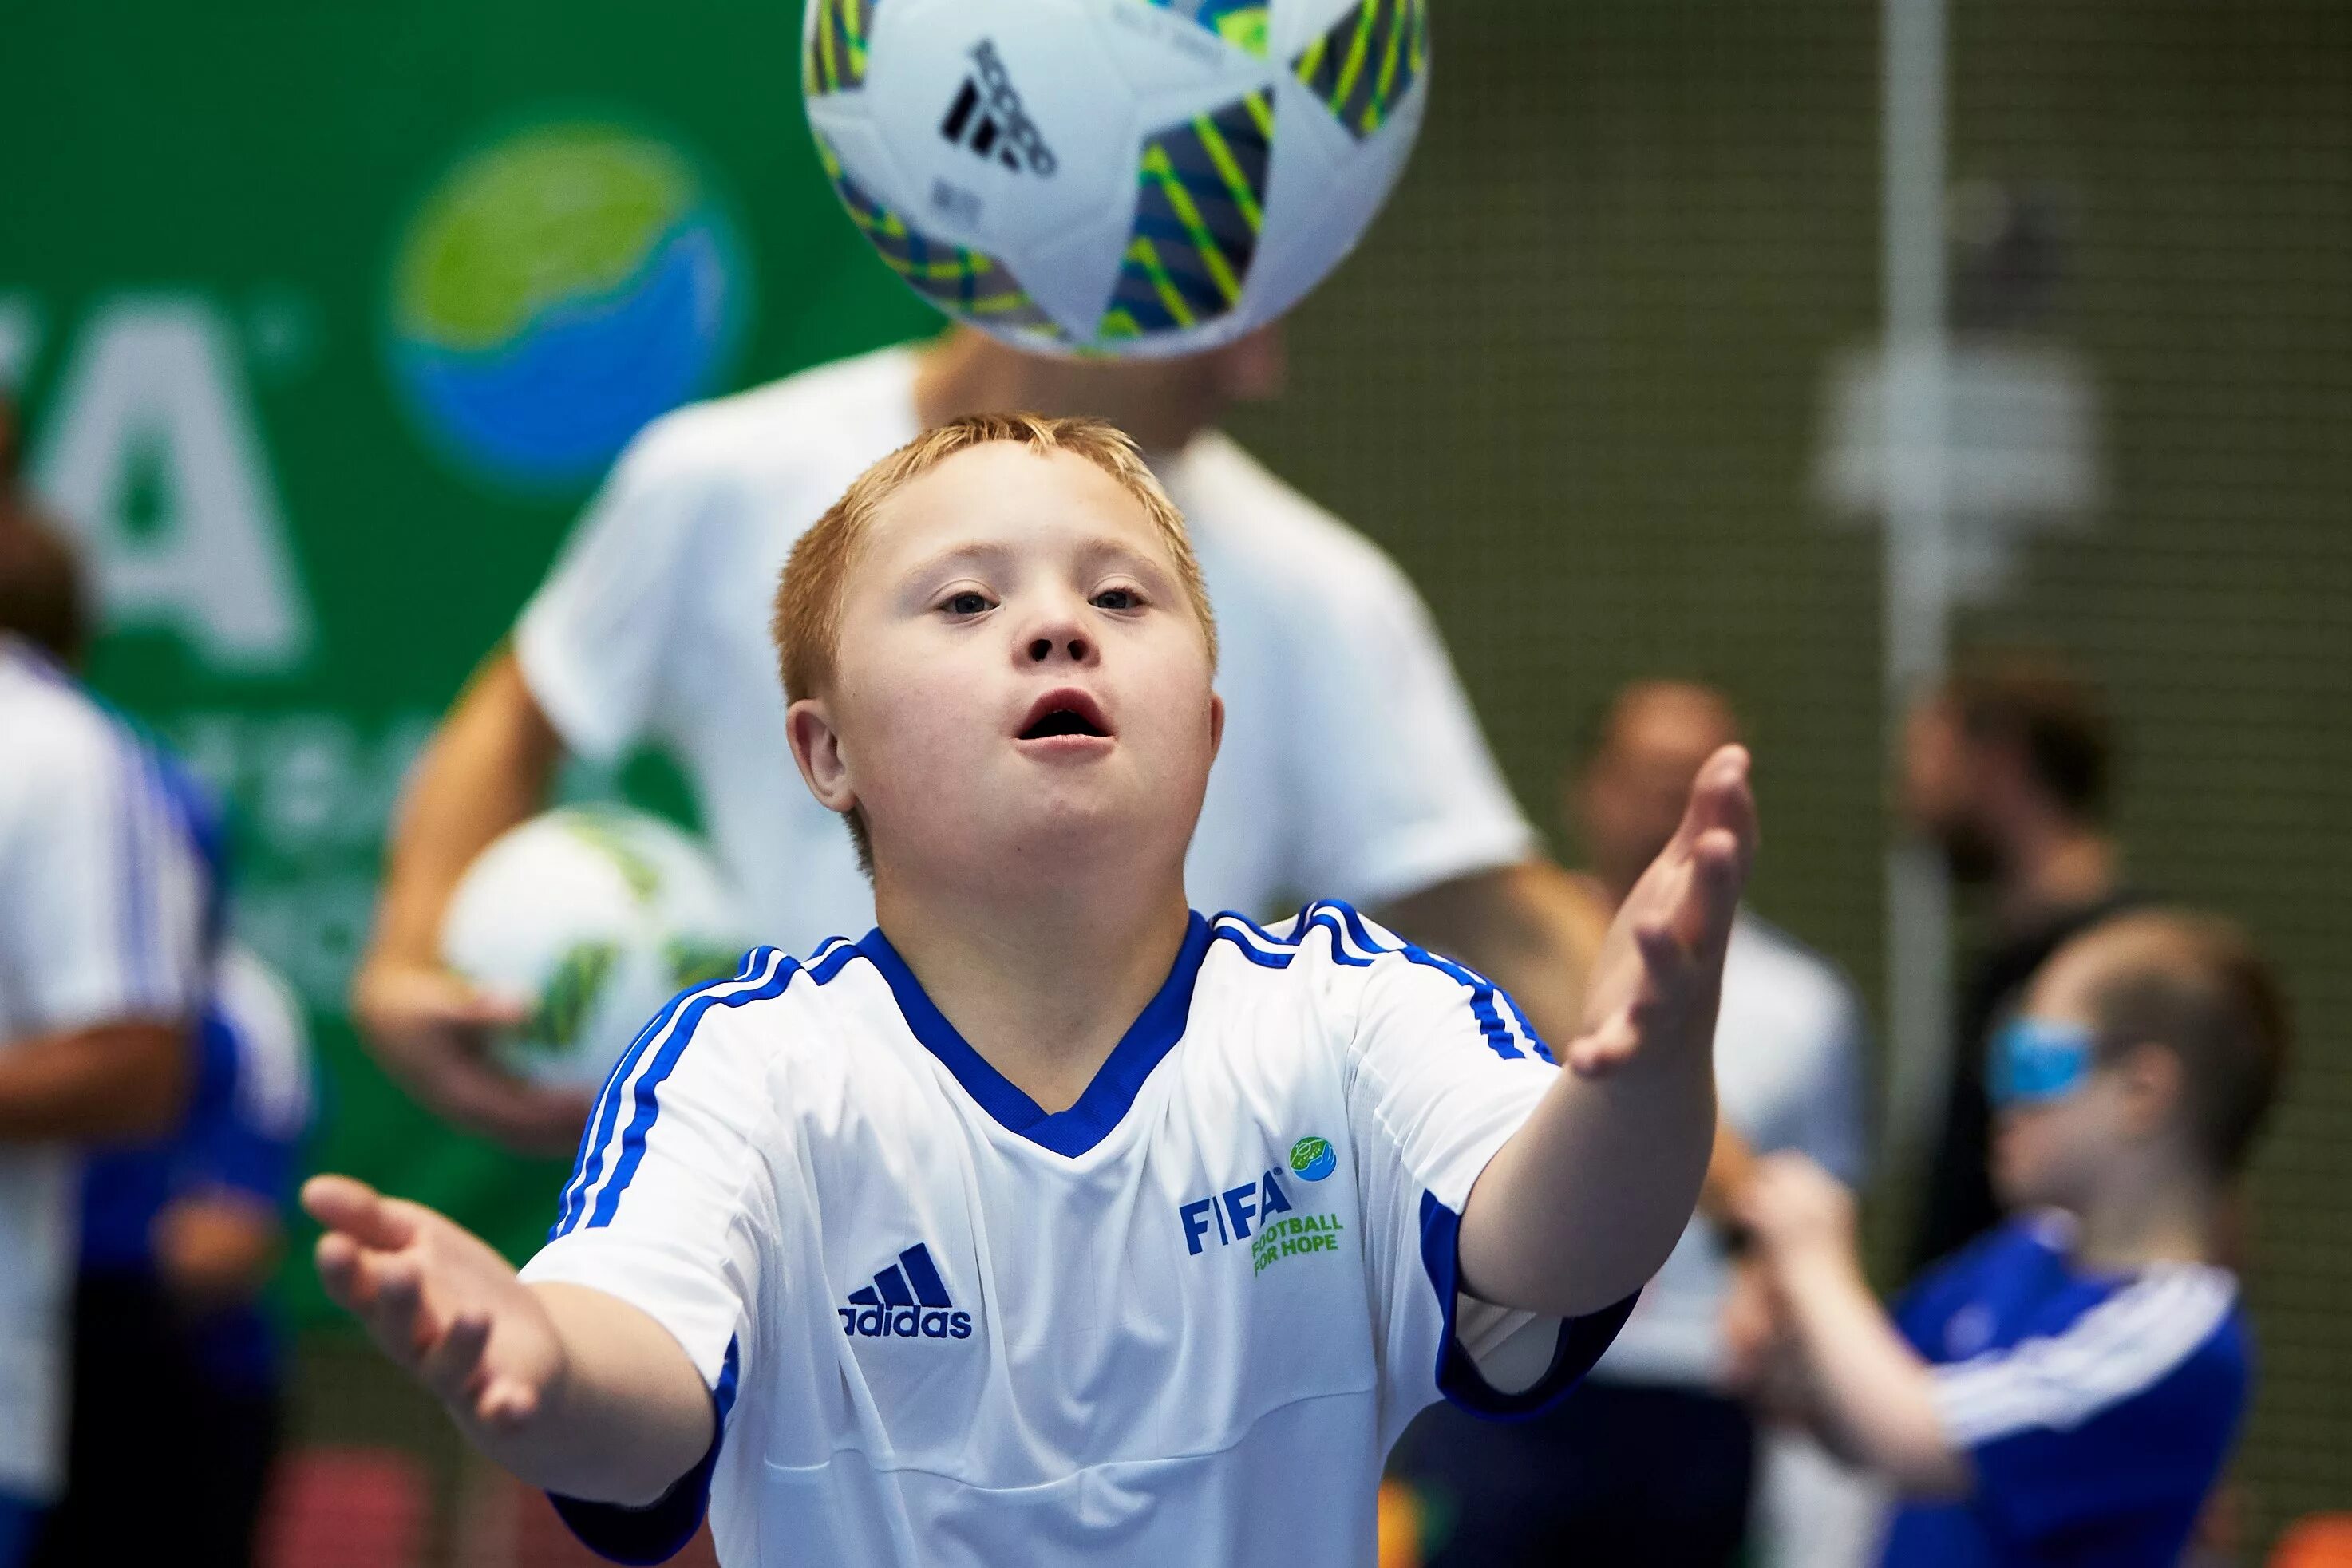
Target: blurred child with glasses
{"points": [[2066, 1389]]}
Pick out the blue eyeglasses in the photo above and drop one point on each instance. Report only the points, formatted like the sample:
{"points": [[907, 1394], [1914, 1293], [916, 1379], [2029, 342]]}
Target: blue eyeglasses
{"points": [[2032, 1060]]}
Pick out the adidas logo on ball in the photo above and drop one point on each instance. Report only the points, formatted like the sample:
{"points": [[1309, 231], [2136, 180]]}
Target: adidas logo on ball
{"points": [[987, 117], [907, 1301]]}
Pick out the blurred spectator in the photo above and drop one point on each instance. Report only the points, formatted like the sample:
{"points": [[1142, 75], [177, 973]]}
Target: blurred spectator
{"points": [[173, 1352], [42, 597], [2005, 770], [2066, 1389], [1652, 1462], [178, 1234], [103, 904]]}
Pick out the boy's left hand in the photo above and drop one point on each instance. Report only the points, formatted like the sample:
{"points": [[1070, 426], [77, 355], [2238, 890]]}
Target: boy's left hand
{"points": [[1659, 974]]}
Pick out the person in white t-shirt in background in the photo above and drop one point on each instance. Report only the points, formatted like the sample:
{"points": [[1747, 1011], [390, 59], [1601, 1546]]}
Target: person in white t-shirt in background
{"points": [[1352, 765], [1656, 1462], [103, 928]]}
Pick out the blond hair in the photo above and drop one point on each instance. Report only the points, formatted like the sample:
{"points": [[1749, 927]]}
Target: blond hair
{"points": [[807, 622]]}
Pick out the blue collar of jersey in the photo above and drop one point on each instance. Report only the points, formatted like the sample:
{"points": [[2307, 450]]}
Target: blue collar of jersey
{"points": [[1150, 1036]]}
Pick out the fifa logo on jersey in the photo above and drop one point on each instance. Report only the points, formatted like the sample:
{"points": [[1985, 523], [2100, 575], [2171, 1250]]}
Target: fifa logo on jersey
{"points": [[1230, 1214], [907, 1301]]}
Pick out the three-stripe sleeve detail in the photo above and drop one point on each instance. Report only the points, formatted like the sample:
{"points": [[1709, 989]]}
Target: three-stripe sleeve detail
{"points": [[1353, 944], [2120, 1348], [606, 1164]]}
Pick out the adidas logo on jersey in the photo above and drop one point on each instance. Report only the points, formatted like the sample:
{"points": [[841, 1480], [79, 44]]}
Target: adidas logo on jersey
{"points": [[907, 1301], [987, 118]]}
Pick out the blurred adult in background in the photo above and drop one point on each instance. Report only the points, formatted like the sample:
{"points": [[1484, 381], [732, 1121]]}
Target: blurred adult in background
{"points": [[178, 1232], [2007, 769], [1654, 1461], [173, 1352], [103, 933], [1351, 764]]}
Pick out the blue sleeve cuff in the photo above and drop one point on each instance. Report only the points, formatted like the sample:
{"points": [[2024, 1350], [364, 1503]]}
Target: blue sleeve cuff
{"points": [[1581, 1343], [659, 1530]]}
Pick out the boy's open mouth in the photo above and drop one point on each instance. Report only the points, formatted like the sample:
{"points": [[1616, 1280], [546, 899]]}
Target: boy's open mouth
{"points": [[1065, 712]]}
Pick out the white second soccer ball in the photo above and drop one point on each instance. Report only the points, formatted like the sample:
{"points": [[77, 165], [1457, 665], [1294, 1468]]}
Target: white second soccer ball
{"points": [[1131, 177], [595, 918]]}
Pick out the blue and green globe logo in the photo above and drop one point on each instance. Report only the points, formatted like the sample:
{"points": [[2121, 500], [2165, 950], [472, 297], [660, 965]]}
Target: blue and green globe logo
{"points": [[1314, 1159], [558, 290]]}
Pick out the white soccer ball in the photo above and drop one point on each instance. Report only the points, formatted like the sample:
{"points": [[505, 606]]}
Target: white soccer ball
{"points": [[595, 918], [1129, 177]]}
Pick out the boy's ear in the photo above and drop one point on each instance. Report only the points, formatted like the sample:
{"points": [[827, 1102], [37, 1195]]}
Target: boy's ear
{"points": [[1216, 724], [2152, 1083], [816, 749]]}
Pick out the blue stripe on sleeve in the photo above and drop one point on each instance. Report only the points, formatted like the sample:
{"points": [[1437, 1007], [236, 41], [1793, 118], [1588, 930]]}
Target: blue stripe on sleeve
{"points": [[1229, 927], [649, 1083], [1481, 1001], [1346, 928], [1527, 1029], [1355, 923], [1328, 919], [598, 1136], [831, 957], [599, 1131], [599, 1139]]}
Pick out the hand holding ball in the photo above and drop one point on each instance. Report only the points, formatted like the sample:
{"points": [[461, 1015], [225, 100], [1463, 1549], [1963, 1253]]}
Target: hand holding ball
{"points": [[594, 919]]}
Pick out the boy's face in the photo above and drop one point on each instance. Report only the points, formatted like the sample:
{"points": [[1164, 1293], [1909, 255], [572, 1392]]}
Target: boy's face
{"points": [[1020, 679], [2068, 1118]]}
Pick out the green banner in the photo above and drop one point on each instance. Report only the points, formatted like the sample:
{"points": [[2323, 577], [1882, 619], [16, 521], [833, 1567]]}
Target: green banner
{"points": [[325, 320]]}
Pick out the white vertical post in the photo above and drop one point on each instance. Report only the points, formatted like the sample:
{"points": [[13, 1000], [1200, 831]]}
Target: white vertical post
{"points": [[1917, 586]]}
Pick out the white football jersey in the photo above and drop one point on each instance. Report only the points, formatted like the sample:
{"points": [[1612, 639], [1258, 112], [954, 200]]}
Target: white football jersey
{"points": [[1351, 764], [102, 915], [1180, 1322]]}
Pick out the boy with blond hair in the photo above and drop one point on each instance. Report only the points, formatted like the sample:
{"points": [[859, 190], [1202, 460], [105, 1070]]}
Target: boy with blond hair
{"points": [[1051, 1222], [2065, 1390]]}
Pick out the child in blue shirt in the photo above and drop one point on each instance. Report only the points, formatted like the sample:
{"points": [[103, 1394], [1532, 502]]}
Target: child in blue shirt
{"points": [[2065, 1390]]}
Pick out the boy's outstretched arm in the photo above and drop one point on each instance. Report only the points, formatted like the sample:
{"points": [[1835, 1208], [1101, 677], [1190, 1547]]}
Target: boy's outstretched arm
{"points": [[573, 1390], [1582, 1205], [1869, 1391]]}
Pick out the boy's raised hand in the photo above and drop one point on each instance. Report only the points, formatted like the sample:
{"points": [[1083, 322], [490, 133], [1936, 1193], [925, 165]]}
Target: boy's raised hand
{"points": [[1659, 974], [439, 1300]]}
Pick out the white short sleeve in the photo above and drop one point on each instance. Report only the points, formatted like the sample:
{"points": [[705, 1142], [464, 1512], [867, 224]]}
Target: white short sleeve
{"points": [[594, 640], [102, 894], [665, 1208], [1441, 1071]]}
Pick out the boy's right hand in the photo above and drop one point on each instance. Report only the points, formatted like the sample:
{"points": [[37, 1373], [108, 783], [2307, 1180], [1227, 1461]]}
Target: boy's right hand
{"points": [[440, 1301]]}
